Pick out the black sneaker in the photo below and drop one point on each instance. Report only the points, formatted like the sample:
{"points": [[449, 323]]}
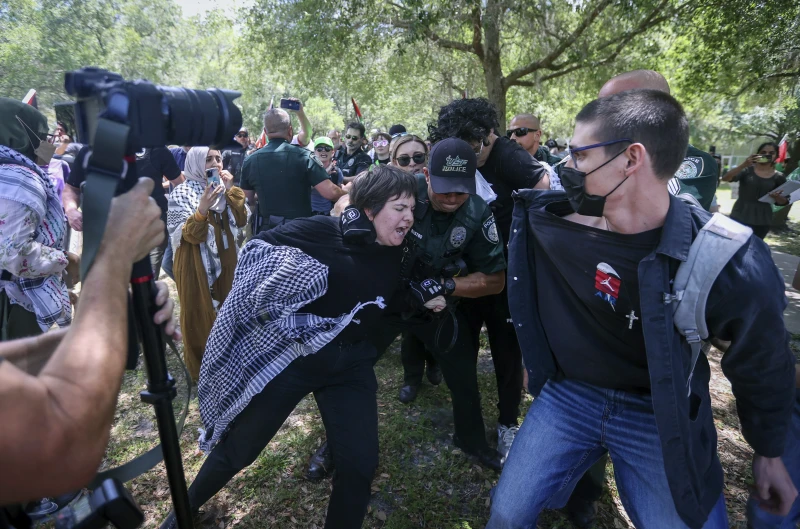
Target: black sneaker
{"points": [[434, 374], [487, 457], [320, 466], [408, 394]]}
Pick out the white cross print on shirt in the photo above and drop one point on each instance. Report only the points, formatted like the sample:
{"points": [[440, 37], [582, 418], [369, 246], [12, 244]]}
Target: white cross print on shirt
{"points": [[631, 318]]}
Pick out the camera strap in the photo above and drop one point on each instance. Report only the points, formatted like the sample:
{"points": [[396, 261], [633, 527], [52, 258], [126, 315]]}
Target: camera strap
{"points": [[105, 168]]}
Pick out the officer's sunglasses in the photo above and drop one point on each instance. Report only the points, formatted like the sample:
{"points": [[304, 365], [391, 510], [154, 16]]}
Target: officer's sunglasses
{"points": [[243, 135], [405, 160], [349, 137], [326, 148], [520, 132]]}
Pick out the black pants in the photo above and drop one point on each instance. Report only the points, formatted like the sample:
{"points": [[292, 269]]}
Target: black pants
{"points": [[506, 354], [414, 357], [344, 386], [590, 487], [459, 368]]}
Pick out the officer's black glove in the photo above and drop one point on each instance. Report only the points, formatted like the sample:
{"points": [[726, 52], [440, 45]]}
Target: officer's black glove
{"points": [[425, 290]]}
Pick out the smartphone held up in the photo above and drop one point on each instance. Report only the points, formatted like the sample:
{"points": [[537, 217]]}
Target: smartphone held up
{"points": [[290, 104]]}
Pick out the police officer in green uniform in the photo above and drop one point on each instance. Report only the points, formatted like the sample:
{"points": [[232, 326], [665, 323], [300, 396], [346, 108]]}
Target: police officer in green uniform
{"points": [[453, 251], [280, 176], [697, 177]]}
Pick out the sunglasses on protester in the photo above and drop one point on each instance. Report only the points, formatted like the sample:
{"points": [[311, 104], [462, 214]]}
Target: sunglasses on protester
{"points": [[405, 160], [326, 148], [243, 135], [520, 132], [380, 143], [349, 137]]}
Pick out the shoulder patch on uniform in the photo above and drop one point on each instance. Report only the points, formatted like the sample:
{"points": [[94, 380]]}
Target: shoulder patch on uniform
{"points": [[458, 236], [314, 157], [490, 230], [692, 167]]}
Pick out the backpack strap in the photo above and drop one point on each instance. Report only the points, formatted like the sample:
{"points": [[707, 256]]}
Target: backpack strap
{"points": [[715, 245]]}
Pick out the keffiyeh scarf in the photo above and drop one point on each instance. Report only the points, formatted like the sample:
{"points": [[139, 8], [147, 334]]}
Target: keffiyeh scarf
{"points": [[259, 331], [24, 182]]}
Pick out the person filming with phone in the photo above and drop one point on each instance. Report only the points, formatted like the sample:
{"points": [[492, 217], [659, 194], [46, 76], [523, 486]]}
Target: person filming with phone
{"points": [[205, 215], [757, 177]]}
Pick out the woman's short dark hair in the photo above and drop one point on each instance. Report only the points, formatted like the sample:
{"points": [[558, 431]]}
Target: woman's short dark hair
{"points": [[650, 117], [374, 188], [386, 136], [468, 119]]}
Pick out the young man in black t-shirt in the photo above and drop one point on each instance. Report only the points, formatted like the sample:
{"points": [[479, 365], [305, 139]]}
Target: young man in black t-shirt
{"points": [[590, 296]]}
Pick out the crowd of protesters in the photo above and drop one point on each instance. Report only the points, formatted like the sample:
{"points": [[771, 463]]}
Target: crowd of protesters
{"points": [[298, 260]]}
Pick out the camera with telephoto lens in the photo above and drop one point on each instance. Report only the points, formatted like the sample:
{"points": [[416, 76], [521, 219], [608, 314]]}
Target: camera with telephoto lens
{"points": [[157, 115]]}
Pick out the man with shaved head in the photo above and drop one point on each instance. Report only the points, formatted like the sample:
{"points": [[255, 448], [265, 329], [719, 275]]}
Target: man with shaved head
{"points": [[698, 174], [525, 129], [281, 174]]}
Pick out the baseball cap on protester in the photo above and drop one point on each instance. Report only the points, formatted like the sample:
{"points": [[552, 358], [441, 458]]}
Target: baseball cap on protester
{"points": [[452, 167], [396, 129], [323, 140]]}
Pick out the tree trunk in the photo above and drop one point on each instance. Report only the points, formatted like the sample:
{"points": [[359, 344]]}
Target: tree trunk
{"points": [[492, 66]]}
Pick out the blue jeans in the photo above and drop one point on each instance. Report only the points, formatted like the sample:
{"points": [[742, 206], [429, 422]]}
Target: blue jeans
{"points": [[758, 518], [568, 427], [166, 262]]}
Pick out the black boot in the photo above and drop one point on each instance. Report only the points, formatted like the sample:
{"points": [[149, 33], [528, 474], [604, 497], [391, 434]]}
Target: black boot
{"points": [[320, 465], [408, 394], [581, 512], [434, 374], [487, 457]]}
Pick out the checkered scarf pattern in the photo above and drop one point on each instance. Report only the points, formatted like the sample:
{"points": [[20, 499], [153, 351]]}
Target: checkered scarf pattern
{"points": [[259, 331], [24, 182]]}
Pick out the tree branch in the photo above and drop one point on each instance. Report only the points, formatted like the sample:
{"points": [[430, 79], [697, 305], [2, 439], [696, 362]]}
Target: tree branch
{"points": [[559, 70], [776, 75], [477, 44], [433, 37], [547, 61]]}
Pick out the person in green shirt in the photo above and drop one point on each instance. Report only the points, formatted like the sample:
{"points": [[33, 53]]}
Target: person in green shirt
{"points": [[279, 176]]}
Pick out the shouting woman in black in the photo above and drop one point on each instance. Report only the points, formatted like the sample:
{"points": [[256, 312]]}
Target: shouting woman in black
{"points": [[304, 298]]}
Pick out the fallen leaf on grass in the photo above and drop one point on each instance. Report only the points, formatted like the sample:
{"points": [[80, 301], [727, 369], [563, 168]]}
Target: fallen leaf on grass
{"points": [[380, 515]]}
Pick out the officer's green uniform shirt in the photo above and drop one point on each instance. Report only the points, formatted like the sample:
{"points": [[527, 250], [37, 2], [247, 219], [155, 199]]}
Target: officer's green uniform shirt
{"points": [[282, 175], [470, 232], [697, 176]]}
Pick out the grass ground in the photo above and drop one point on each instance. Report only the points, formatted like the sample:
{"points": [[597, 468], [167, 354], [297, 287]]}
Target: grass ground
{"points": [[423, 481]]}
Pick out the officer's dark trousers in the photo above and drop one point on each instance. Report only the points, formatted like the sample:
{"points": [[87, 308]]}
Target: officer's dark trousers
{"points": [[343, 382], [459, 368], [414, 356], [506, 355]]}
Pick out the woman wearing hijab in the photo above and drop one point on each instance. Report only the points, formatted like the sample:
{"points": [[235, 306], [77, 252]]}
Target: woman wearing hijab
{"points": [[204, 218], [33, 295]]}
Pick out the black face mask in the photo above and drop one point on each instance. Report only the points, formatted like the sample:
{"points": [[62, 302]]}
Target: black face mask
{"points": [[356, 227], [574, 182]]}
